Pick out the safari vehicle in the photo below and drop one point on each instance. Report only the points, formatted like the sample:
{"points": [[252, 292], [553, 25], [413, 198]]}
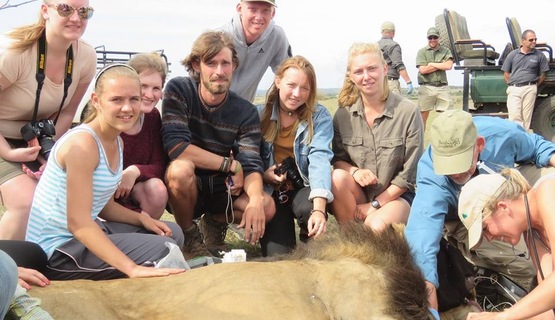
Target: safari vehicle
{"points": [[484, 87], [105, 57]]}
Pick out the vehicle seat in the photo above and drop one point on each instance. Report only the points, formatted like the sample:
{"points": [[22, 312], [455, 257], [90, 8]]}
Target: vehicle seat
{"points": [[515, 33], [454, 33], [508, 48]]}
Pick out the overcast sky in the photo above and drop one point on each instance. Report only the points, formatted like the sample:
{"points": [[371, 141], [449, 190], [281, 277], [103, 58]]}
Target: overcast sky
{"points": [[320, 30]]}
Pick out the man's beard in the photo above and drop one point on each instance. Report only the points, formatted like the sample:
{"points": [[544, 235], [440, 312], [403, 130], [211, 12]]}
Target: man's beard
{"points": [[462, 182], [216, 88]]}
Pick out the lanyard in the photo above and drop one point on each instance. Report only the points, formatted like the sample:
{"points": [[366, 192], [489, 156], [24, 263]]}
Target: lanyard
{"points": [[41, 65]]}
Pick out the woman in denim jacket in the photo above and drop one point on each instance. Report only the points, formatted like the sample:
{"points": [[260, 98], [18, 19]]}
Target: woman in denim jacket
{"points": [[296, 151]]}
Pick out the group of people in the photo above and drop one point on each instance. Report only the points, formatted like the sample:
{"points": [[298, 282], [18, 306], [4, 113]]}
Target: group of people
{"points": [[90, 203], [467, 150], [524, 70], [92, 210]]}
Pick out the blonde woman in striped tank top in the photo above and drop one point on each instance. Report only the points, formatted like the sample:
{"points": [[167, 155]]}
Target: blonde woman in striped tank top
{"points": [[77, 188]]}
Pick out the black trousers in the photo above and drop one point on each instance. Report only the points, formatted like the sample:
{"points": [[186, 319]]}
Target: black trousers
{"points": [[25, 254], [280, 236]]}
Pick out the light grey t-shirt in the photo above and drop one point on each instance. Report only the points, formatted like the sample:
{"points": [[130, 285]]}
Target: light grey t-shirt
{"points": [[267, 51]]}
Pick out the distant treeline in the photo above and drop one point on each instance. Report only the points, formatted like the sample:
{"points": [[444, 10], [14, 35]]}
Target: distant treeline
{"points": [[333, 92]]}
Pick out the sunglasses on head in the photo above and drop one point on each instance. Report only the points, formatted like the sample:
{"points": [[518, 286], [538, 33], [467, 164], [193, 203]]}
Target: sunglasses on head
{"points": [[65, 10], [433, 37]]}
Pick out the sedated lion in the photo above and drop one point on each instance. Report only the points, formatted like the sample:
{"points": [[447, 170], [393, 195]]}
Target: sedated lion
{"points": [[348, 273]]}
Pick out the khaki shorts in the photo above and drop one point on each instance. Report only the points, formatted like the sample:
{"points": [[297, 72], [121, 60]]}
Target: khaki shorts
{"points": [[10, 170], [434, 98]]}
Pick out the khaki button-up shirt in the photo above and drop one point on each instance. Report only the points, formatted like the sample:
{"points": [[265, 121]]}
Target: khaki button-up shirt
{"points": [[390, 148]]}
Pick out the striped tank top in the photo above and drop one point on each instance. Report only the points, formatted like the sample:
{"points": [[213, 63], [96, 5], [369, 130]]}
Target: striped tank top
{"points": [[48, 219]]}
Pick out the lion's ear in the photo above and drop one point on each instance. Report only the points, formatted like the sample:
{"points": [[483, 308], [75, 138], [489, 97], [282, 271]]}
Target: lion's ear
{"points": [[399, 228]]}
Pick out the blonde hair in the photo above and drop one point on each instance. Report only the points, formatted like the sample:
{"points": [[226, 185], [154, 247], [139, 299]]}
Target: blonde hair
{"points": [[107, 73], [270, 129], [150, 61], [25, 36], [514, 186], [349, 93]]}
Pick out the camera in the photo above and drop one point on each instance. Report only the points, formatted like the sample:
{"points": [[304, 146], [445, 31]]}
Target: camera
{"points": [[288, 166], [44, 130]]}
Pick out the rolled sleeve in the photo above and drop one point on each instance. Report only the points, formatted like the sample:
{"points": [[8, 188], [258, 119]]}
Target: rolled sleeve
{"points": [[508, 143], [544, 149]]}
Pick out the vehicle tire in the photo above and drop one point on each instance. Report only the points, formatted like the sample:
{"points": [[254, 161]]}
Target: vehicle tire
{"points": [[443, 34], [543, 118]]}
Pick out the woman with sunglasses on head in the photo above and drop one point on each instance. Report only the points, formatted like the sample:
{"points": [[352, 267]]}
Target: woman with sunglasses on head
{"points": [[377, 143], [503, 206], [46, 114], [74, 218], [296, 152]]}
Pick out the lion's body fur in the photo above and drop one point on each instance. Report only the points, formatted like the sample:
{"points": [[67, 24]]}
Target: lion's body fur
{"points": [[348, 274]]}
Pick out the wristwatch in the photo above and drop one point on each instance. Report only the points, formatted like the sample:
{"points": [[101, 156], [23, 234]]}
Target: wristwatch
{"points": [[376, 204]]}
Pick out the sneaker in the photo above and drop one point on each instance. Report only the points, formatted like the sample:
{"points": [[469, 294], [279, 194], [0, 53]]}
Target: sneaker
{"points": [[25, 307], [214, 233], [194, 246]]}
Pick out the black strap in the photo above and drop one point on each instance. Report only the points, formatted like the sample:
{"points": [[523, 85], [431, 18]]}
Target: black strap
{"points": [[41, 65]]}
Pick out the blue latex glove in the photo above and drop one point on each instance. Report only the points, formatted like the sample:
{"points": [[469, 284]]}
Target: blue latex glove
{"points": [[434, 311], [410, 88]]}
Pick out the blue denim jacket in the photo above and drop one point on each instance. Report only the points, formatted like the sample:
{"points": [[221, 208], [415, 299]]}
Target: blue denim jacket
{"points": [[313, 160]]}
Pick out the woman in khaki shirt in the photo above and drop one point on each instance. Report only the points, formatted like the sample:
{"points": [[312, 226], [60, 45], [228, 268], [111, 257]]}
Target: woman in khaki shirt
{"points": [[377, 143]]}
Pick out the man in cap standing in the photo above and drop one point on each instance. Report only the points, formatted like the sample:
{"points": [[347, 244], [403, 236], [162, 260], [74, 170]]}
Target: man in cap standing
{"points": [[460, 147], [393, 56], [259, 42], [432, 61]]}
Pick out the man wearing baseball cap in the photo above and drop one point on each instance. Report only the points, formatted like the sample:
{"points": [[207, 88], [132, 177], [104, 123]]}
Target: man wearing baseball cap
{"points": [[458, 143], [259, 43], [432, 61], [394, 57]]}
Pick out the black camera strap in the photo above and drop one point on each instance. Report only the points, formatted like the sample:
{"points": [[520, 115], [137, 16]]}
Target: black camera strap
{"points": [[41, 65]]}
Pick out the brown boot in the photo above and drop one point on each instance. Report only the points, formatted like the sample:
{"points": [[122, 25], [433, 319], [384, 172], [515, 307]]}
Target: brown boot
{"points": [[194, 246], [214, 233]]}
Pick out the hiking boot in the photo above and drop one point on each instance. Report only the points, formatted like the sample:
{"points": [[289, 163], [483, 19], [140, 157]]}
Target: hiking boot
{"points": [[193, 245], [303, 235], [303, 232], [214, 233]]}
